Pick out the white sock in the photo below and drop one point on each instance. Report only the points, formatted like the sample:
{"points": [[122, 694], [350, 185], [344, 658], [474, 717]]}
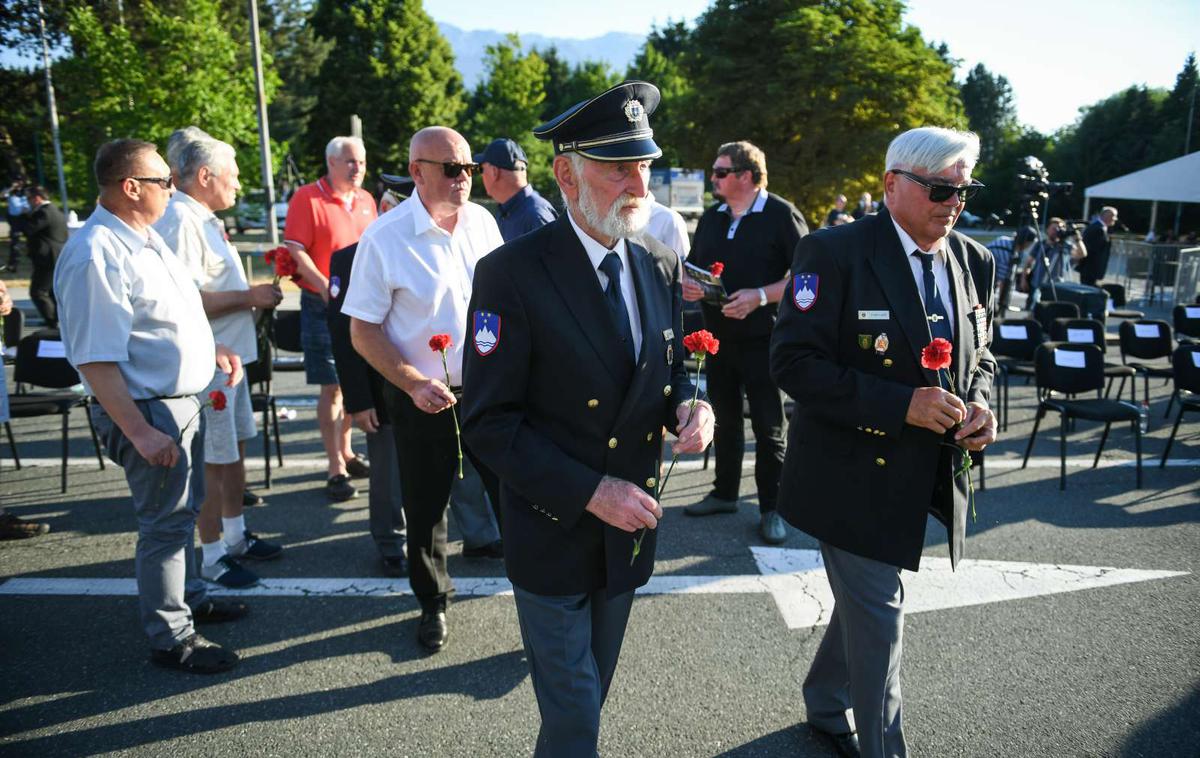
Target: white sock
{"points": [[212, 552], [234, 529]]}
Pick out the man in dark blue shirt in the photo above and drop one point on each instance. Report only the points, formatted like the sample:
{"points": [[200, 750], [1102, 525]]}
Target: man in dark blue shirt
{"points": [[522, 209]]}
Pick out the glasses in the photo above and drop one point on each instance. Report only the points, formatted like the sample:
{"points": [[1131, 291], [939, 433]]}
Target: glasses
{"points": [[940, 193], [452, 170], [721, 172], [165, 182]]}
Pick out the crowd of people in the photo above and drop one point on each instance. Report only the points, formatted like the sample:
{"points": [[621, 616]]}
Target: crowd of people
{"points": [[522, 371]]}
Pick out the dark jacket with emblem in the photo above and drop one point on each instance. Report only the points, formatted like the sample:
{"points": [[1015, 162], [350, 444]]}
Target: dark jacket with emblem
{"points": [[856, 476], [362, 386], [554, 407]]}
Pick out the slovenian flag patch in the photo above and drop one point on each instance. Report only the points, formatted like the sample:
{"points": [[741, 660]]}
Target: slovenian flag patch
{"points": [[804, 290], [486, 331]]}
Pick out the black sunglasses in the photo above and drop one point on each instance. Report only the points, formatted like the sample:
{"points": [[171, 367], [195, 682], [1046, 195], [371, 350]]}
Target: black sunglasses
{"points": [[940, 193], [452, 170], [165, 182], [721, 172]]}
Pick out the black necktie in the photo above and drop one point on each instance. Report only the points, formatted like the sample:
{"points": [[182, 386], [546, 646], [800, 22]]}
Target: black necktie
{"points": [[935, 309], [611, 266]]}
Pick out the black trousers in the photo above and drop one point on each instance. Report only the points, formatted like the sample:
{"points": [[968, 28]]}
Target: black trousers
{"points": [[41, 290], [425, 445], [738, 367]]}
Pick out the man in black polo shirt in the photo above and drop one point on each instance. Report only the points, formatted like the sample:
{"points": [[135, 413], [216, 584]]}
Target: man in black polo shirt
{"points": [[753, 233]]}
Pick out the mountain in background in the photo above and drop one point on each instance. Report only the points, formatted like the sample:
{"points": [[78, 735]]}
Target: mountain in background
{"points": [[617, 49]]}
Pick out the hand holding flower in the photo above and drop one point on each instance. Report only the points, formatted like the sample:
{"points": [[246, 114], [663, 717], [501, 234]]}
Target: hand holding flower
{"points": [[439, 343]]}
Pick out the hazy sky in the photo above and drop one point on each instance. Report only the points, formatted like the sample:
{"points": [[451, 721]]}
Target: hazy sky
{"points": [[1057, 54]]}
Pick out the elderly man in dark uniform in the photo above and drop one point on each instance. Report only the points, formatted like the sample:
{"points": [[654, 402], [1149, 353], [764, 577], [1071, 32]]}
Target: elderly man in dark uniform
{"points": [[876, 440], [575, 366]]}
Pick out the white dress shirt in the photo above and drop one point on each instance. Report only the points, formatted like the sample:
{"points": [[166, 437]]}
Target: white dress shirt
{"points": [[668, 227], [197, 237], [941, 274], [124, 298], [596, 252], [414, 277]]}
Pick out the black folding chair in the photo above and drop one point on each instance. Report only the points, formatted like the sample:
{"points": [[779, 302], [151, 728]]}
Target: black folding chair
{"points": [[1090, 331], [1072, 369], [1116, 293], [262, 400], [1187, 322], [40, 363], [1046, 311], [285, 335], [1186, 362], [1148, 340], [1014, 342], [14, 324]]}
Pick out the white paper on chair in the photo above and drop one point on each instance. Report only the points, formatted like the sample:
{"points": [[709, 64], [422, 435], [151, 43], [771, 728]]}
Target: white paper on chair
{"points": [[51, 349], [1196, 359], [1149, 331], [1192, 311], [1070, 359], [1080, 335], [1109, 307], [1014, 332]]}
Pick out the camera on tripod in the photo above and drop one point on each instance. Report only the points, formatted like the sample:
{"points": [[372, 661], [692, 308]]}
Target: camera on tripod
{"points": [[1033, 181]]}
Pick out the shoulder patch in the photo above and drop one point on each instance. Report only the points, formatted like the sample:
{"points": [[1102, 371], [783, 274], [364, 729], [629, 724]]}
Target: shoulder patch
{"points": [[804, 290], [486, 330], [335, 286]]}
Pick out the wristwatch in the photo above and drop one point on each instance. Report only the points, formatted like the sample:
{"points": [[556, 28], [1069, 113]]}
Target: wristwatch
{"points": [[762, 297]]}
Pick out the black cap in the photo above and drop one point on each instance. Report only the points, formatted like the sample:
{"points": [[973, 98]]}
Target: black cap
{"points": [[503, 153], [612, 126], [403, 184]]}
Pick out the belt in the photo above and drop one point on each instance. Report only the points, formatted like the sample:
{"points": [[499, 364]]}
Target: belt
{"points": [[163, 397]]}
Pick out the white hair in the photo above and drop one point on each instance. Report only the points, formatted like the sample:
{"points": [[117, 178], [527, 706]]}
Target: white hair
{"points": [[338, 144], [933, 149], [203, 152], [609, 221], [178, 139]]}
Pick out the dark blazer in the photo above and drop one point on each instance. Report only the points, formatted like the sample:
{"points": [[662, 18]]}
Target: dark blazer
{"points": [[856, 475], [1098, 244], [46, 231], [550, 410], [361, 385]]}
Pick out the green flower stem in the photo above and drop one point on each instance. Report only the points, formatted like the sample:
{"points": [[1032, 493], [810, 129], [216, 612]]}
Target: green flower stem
{"points": [[637, 544], [457, 433], [967, 463]]}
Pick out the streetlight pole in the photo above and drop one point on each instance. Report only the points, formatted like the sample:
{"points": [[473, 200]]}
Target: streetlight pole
{"points": [[62, 177], [264, 134]]}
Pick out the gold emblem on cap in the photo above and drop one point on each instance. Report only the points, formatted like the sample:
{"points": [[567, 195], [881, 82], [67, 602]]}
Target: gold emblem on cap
{"points": [[634, 110], [612, 443]]}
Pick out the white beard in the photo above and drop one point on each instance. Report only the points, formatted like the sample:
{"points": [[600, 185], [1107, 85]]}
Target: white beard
{"points": [[614, 222]]}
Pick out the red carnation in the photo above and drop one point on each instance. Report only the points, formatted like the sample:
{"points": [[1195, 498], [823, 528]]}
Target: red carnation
{"points": [[281, 260], [439, 342], [216, 399], [700, 343], [716, 270], [936, 355]]}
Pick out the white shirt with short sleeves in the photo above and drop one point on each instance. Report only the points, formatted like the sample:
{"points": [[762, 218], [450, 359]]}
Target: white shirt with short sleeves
{"points": [[124, 298], [668, 227], [197, 237], [414, 277]]}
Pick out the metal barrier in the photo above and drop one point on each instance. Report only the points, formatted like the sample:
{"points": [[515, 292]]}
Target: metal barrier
{"points": [[1153, 272]]}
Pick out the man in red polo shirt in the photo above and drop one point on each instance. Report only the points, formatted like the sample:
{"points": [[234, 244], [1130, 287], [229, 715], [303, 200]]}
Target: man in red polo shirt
{"points": [[322, 217]]}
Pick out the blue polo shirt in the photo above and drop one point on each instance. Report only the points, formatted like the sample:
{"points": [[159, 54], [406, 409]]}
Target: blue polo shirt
{"points": [[524, 212]]}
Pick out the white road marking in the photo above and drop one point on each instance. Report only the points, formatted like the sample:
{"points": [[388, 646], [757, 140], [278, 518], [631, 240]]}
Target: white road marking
{"points": [[794, 578]]}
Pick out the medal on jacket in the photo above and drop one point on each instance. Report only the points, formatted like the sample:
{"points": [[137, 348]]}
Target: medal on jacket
{"points": [[881, 343]]}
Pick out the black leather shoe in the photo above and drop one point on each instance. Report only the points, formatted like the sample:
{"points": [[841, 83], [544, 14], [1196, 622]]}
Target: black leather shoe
{"points": [[396, 566], [846, 744], [219, 611], [490, 550], [251, 499], [432, 632]]}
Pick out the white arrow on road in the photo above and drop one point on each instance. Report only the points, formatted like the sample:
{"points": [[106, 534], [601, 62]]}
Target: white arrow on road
{"points": [[795, 578]]}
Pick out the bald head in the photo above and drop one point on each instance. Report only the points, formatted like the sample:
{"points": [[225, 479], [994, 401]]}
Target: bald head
{"points": [[431, 150], [435, 140]]}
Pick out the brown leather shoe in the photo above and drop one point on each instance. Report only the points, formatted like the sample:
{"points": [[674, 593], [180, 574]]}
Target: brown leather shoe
{"points": [[15, 528]]}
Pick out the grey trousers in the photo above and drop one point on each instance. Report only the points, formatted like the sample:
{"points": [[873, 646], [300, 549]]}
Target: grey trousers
{"points": [[471, 509], [854, 681], [383, 499], [572, 643], [166, 502], [468, 501]]}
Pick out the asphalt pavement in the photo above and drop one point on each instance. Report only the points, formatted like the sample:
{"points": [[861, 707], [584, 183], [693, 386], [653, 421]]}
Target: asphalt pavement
{"points": [[712, 665]]}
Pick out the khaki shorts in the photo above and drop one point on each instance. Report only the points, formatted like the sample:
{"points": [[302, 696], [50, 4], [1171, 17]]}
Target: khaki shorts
{"points": [[223, 430]]}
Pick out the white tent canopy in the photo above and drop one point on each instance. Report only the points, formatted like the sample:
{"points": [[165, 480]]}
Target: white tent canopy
{"points": [[1174, 181]]}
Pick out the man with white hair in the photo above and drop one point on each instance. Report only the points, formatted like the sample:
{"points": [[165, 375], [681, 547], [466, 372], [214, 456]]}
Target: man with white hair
{"points": [[411, 281], [877, 440], [327, 215], [206, 172], [575, 367]]}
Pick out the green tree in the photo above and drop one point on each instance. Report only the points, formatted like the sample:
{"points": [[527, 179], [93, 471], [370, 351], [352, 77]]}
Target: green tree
{"points": [[508, 103], [1180, 103], [832, 83], [582, 81], [991, 112], [298, 55], [670, 122], [392, 67], [147, 79]]}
